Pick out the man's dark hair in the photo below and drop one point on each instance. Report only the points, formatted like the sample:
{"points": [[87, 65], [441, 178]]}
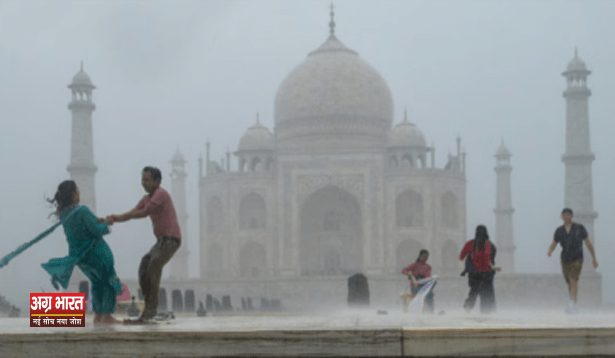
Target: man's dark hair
{"points": [[567, 210], [154, 172]]}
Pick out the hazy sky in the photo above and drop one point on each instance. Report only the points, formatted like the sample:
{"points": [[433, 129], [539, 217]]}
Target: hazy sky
{"points": [[172, 74]]}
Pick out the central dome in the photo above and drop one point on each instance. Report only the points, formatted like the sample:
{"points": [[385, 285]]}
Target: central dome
{"points": [[332, 95]]}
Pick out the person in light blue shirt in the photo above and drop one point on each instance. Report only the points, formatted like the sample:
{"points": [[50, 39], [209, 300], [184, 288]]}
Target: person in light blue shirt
{"points": [[86, 249]]}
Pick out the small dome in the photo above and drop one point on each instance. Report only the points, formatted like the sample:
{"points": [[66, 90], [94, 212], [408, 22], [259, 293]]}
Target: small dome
{"points": [[178, 157], [576, 65], [406, 134], [82, 78], [503, 151], [257, 137]]}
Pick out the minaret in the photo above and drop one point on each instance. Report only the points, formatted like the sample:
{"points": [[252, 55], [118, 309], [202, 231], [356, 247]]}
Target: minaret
{"points": [[81, 167], [179, 263], [504, 241], [578, 157]]}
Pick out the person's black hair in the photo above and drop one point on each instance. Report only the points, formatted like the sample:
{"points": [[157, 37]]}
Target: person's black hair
{"points": [[63, 198], [480, 237], [423, 251], [567, 210], [154, 172]]}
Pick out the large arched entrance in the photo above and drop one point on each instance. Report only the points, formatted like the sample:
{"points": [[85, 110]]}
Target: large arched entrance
{"points": [[331, 241]]}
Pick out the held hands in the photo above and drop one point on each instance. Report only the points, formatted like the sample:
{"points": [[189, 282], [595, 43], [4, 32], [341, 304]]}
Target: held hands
{"points": [[102, 220], [109, 220], [549, 253], [497, 268], [595, 263]]}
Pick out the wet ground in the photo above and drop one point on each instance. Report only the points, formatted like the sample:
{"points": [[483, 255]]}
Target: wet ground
{"points": [[346, 320], [333, 333]]}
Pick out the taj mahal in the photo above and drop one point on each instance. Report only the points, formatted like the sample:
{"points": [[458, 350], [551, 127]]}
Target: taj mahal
{"points": [[340, 185]]}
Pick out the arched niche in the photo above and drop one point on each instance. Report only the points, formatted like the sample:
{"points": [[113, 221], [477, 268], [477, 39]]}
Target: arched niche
{"points": [[409, 209], [215, 217], [252, 212], [449, 210]]}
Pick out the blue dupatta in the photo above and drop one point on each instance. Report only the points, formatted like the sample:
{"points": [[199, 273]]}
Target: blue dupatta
{"points": [[5, 260]]}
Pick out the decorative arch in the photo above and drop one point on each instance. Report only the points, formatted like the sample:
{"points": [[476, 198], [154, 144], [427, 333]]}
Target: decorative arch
{"points": [[421, 159], [252, 260], [255, 163], [449, 210], [450, 256], [407, 161], [215, 219], [215, 261], [409, 209], [393, 161], [407, 252], [252, 212], [331, 241], [269, 164]]}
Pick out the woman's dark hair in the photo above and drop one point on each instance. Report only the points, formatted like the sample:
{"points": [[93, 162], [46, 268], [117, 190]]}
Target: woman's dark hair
{"points": [[480, 237], [63, 197], [154, 172], [567, 210], [421, 253]]}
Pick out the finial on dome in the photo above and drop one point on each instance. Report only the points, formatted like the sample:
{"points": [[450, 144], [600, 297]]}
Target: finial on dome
{"points": [[575, 52], [332, 23], [405, 115], [81, 65], [257, 120]]}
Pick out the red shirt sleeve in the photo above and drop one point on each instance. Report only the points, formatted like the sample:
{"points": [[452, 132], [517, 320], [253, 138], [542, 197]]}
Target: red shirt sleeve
{"points": [[144, 208], [408, 269], [467, 248]]}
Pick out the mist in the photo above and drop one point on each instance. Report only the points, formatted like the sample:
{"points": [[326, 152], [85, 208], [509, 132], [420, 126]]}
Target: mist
{"points": [[172, 75]]}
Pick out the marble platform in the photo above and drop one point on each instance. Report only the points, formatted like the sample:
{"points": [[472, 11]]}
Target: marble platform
{"points": [[351, 333]]}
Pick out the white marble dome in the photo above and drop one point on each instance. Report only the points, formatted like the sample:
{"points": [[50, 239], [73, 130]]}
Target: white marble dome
{"points": [[406, 134], [333, 92], [257, 138]]}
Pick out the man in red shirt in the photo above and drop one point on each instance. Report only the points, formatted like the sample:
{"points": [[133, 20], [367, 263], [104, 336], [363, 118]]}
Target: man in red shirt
{"points": [[157, 204]]}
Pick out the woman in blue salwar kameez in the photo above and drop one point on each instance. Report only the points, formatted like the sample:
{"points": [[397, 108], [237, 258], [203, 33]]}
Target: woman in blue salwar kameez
{"points": [[86, 249]]}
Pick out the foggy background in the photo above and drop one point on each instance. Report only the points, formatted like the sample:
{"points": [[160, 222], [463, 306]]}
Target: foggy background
{"points": [[172, 74]]}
